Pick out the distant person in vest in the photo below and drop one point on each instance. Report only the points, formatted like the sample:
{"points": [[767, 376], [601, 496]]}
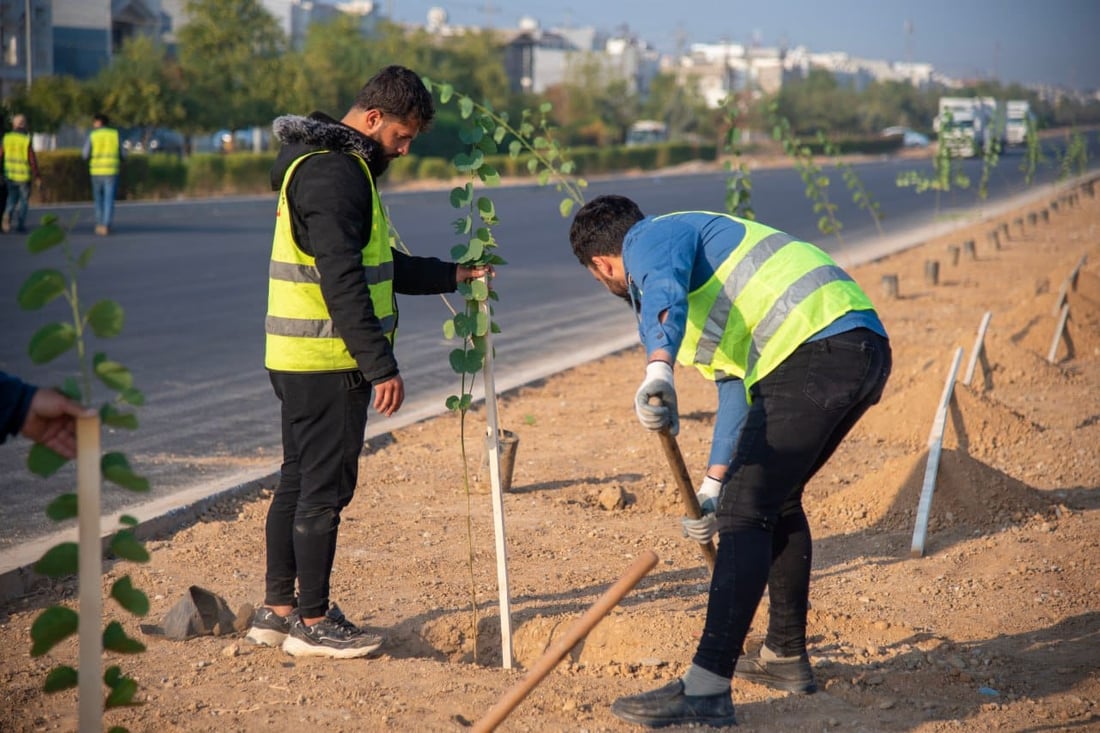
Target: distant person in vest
{"points": [[798, 355], [104, 155], [331, 324], [20, 169]]}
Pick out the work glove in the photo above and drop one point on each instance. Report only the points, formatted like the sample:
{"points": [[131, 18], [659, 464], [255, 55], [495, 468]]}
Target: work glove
{"points": [[657, 384], [703, 529]]}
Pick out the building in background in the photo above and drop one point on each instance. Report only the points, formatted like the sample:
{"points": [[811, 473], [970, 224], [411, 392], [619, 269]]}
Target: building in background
{"points": [[87, 33], [26, 43]]}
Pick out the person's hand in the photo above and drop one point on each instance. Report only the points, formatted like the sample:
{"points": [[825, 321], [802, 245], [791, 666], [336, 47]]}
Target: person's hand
{"points": [[465, 273], [389, 395], [704, 528], [51, 421], [658, 386]]}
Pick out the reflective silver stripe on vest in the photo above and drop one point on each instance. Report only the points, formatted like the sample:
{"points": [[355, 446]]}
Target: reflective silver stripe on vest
{"points": [[308, 273], [799, 290], [715, 325], [319, 328]]}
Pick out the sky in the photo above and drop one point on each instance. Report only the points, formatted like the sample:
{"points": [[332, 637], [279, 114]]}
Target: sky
{"points": [[1026, 41]]}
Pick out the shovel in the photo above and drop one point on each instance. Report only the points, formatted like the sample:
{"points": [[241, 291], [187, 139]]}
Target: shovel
{"points": [[687, 491]]}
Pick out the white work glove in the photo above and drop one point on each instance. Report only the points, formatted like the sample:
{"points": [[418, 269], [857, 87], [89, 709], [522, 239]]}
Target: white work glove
{"points": [[657, 383], [703, 529]]}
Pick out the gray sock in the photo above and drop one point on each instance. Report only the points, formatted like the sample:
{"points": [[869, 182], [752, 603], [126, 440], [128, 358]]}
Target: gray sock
{"points": [[698, 681]]}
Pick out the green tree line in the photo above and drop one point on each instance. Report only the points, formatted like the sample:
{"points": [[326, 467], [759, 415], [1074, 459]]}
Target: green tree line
{"points": [[232, 68]]}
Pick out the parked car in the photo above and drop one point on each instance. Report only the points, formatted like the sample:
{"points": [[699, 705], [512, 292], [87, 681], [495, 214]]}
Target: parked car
{"points": [[909, 138], [152, 140]]}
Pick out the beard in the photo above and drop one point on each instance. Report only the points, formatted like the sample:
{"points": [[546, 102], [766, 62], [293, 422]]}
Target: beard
{"points": [[379, 163]]}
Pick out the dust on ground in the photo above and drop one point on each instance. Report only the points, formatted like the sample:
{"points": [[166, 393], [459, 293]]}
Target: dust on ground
{"points": [[996, 627]]}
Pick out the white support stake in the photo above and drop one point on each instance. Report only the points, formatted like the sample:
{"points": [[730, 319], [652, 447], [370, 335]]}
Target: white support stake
{"points": [[979, 346], [1058, 334], [90, 575], [935, 448], [493, 445]]}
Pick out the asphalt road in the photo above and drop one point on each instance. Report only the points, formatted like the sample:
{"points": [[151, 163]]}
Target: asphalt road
{"points": [[191, 277]]}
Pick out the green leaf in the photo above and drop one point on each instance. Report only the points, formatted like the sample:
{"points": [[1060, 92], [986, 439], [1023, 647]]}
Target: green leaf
{"points": [[40, 288], [544, 176], [485, 208], [461, 195], [132, 397], [112, 675], [467, 162], [44, 237], [127, 547], [43, 461], [105, 318], [52, 626], [473, 252], [545, 107], [449, 329], [498, 134], [112, 417], [515, 148], [465, 107], [471, 135], [61, 678], [129, 597], [481, 323], [116, 640], [114, 375], [128, 520], [452, 403], [62, 508], [465, 361], [479, 290], [566, 207], [446, 91], [121, 694], [51, 341], [567, 167], [116, 469], [494, 327], [71, 389], [59, 561], [489, 175], [463, 225], [465, 402], [85, 257]]}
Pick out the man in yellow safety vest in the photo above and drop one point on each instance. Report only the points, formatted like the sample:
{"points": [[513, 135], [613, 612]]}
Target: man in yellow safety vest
{"points": [[20, 168], [104, 155], [798, 355], [331, 323]]}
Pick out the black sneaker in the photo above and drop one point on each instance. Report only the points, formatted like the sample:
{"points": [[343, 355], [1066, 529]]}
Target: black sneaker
{"points": [[268, 628], [790, 674], [669, 705], [333, 636]]}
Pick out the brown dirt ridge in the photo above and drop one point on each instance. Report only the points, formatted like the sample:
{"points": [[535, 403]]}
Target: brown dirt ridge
{"points": [[995, 628]]}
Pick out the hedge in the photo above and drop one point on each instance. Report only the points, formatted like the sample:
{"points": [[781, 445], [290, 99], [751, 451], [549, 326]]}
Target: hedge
{"points": [[65, 174]]}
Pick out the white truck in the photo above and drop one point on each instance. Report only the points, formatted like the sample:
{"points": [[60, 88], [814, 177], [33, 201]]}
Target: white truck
{"points": [[1017, 116], [962, 125]]}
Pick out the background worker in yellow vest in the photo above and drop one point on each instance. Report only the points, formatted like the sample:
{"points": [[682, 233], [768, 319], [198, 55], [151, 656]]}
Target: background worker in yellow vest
{"points": [[104, 155], [331, 322], [798, 355], [20, 168]]}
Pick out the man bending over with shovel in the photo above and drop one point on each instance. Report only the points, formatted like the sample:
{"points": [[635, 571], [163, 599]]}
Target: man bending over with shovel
{"points": [[799, 355]]}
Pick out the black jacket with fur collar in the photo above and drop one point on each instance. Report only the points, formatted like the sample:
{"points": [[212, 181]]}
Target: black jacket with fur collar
{"points": [[330, 208]]}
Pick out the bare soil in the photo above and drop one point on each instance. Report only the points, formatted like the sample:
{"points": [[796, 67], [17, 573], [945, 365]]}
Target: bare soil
{"points": [[996, 627]]}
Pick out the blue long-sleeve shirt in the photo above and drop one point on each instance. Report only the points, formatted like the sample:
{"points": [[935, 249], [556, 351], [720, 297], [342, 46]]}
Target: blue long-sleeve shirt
{"points": [[15, 402], [669, 256]]}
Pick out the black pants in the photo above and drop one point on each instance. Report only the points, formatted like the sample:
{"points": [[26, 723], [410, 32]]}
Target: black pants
{"points": [[323, 419], [799, 414]]}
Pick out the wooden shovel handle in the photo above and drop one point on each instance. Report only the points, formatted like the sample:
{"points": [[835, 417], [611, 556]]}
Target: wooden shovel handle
{"points": [[687, 491]]}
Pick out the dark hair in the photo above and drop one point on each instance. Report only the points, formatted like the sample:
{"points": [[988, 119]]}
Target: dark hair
{"points": [[601, 225], [101, 118], [398, 91]]}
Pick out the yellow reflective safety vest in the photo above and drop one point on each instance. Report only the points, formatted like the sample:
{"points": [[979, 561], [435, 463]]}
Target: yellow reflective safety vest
{"points": [[103, 160], [769, 297], [17, 166], [300, 334]]}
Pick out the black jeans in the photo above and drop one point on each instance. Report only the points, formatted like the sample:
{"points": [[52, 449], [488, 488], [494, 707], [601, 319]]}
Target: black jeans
{"points": [[323, 419], [799, 414]]}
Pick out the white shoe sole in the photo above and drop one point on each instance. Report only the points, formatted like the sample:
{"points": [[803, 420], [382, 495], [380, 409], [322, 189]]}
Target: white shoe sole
{"points": [[265, 637], [297, 648]]}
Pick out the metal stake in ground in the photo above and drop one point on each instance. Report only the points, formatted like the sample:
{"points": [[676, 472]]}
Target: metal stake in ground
{"points": [[580, 628]]}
